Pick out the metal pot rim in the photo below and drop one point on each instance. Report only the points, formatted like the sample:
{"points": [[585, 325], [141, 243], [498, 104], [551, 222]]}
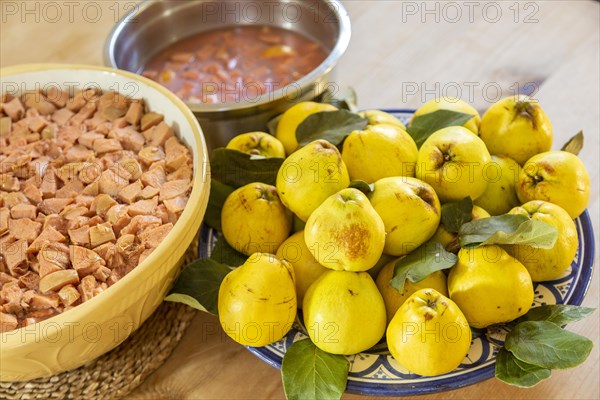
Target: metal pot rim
{"points": [[304, 83]]}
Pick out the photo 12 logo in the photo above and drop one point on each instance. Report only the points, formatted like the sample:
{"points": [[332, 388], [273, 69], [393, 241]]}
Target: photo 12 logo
{"points": [[290, 12], [52, 90], [268, 11], [67, 11], [69, 332], [470, 11], [470, 92]]}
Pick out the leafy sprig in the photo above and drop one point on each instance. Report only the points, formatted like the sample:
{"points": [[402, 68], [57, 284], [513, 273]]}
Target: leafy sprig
{"points": [[538, 343]]}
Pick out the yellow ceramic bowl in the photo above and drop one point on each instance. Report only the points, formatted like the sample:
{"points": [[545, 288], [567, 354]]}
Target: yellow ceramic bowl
{"points": [[91, 329]]}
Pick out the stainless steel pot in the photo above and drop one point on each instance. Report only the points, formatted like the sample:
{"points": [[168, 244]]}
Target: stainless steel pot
{"points": [[155, 25]]}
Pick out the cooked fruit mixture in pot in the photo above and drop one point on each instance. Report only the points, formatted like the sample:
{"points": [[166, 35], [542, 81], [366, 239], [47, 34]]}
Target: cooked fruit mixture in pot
{"points": [[89, 187], [234, 63]]}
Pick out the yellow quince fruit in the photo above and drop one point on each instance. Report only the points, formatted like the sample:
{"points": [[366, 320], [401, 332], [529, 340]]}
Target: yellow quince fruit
{"points": [[257, 143], [376, 117], [429, 335], [379, 151], [453, 161], [500, 196], [344, 312], [490, 286], [558, 177], [547, 264], [257, 301], [345, 232], [309, 176], [410, 211], [254, 220], [516, 127]]}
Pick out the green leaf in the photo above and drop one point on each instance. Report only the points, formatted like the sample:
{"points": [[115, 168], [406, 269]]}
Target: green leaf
{"points": [[332, 126], [423, 126], [508, 229], [345, 100], [218, 195], [198, 285], [225, 254], [547, 345], [559, 314], [236, 169], [575, 144], [420, 263], [455, 214], [515, 372], [187, 300], [309, 373], [272, 125], [362, 186]]}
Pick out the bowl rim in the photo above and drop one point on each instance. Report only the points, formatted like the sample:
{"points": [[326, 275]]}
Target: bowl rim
{"points": [[341, 45], [198, 196]]}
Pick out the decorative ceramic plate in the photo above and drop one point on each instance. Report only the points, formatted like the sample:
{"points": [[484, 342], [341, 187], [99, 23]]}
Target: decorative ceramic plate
{"points": [[375, 372]]}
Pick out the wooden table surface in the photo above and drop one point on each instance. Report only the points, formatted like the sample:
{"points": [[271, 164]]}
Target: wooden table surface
{"points": [[400, 55]]}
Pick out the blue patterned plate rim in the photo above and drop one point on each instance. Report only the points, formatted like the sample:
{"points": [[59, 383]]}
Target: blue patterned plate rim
{"points": [[575, 287]]}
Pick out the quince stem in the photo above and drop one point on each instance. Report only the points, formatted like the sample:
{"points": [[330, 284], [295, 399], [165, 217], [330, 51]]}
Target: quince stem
{"points": [[525, 109]]}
